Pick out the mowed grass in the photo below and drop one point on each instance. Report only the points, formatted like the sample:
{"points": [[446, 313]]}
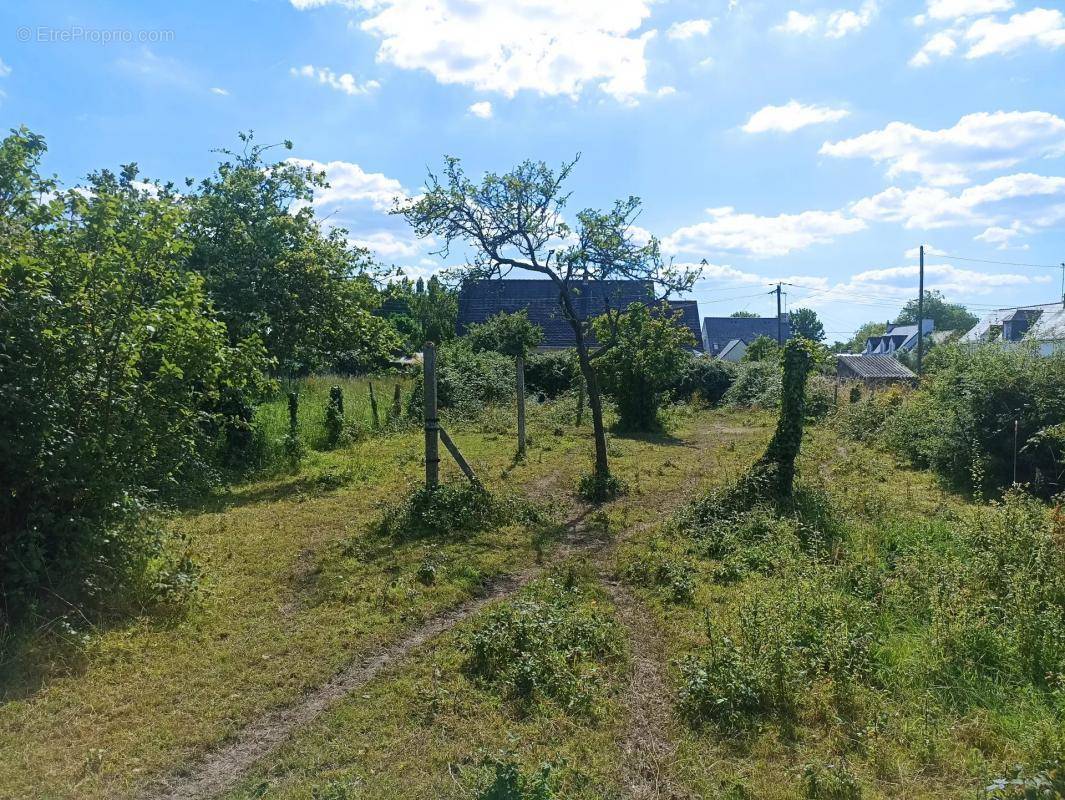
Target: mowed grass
{"points": [[296, 584]]}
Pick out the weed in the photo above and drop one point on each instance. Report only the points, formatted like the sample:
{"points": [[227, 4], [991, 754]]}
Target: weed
{"points": [[596, 488], [830, 782], [511, 783], [453, 511]]}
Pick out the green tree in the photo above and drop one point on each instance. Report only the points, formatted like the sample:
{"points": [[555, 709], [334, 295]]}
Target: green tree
{"points": [[744, 315], [947, 316], [856, 344], [422, 312], [511, 334], [112, 369], [516, 221], [763, 348], [650, 354], [805, 323], [272, 271]]}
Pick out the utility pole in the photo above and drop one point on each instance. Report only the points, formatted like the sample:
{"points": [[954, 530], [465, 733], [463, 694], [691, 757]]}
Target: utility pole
{"points": [[780, 324], [920, 315]]}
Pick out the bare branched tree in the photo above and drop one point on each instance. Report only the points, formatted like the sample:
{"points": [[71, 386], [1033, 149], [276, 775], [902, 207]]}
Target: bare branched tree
{"points": [[516, 221]]}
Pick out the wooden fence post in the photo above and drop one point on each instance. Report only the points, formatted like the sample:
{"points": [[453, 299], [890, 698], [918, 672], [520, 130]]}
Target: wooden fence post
{"points": [[520, 386], [432, 426], [397, 404], [373, 408]]}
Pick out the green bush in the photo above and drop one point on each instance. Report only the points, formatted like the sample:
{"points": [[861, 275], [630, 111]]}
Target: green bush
{"points": [[547, 645], [119, 389], [649, 354], [704, 380], [961, 421], [553, 373], [466, 381], [756, 385], [830, 782], [453, 510], [596, 489], [510, 334], [510, 782]]}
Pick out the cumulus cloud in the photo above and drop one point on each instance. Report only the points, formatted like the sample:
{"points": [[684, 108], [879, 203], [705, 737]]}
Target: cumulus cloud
{"points": [[482, 109], [939, 45], [791, 116], [1040, 26], [344, 82], [1002, 237], [954, 9], [387, 245], [978, 142], [5, 70], [552, 47], [797, 23], [1022, 195], [834, 24], [689, 29], [754, 235], [219, 91], [350, 183], [945, 277]]}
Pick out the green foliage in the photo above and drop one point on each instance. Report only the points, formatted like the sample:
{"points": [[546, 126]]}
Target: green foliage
{"points": [[549, 645], [422, 312], [270, 269], [553, 373], [509, 782], [961, 421], [946, 316], [453, 511], [744, 315], [596, 488], [466, 381], [830, 782], [648, 356], [334, 416], [510, 334], [764, 348], [115, 380], [293, 445], [704, 380], [1046, 784], [856, 344], [756, 384], [806, 323]]}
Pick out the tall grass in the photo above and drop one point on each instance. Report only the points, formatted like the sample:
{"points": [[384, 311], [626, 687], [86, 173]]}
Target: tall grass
{"points": [[271, 418]]}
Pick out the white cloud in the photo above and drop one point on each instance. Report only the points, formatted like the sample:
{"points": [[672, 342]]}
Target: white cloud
{"points": [[954, 9], [553, 47], [843, 22], [482, 109], [943, 277], [5, 70], [791, 116], [387, 245], [689, 29], [344, 82], [1040, 26], [978, 142], [219, 91], [834, 24], [1009, 196], [349, 183], [1002, 237], [797, 23], [750, 234], [940, 45], [929, 250], [666, 91]]}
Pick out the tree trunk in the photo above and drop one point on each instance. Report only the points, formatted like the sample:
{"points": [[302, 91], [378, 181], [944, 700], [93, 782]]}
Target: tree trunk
{"points": [[595, 404]]}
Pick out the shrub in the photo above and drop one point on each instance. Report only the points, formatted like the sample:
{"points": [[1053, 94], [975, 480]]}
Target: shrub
{"points": [[510, 782], [704, 380], [466, 381], [510, 334], [756, 385], [830, 782], [961, 421], [547, 645], [594, 488], [453, 511], [649, 355], [553, 373]]}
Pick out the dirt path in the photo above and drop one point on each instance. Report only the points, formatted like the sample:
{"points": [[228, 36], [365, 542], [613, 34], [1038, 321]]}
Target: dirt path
{"points": [[647, 749]]}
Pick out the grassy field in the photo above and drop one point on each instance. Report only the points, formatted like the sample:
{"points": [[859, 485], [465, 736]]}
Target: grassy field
{"points": [[299, 580]]}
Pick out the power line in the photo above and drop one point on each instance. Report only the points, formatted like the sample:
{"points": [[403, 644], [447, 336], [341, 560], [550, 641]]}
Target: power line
{"points": [[990, 261]]}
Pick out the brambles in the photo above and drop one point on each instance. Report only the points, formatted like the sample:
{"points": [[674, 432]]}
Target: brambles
{"points": [[510, 782], [596, 488], [548, 645], [454, 511]]}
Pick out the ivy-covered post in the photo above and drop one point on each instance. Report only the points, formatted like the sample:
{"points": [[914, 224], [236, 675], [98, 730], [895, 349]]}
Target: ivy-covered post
{"points": [[432, 424], [778, 463], [293, 414], [334, 415], [373, 408], [519, 386], [397, 404], [293, 445]]}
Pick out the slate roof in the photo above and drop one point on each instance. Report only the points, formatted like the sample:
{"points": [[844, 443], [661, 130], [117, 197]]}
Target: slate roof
{"points": [[872, 366], [982, 331], [719, 331], [479, 300], [897, 337]]}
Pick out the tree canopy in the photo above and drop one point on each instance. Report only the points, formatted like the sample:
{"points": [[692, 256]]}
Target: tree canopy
{"points": [[947, 316], [805, 323], [511, 334]]}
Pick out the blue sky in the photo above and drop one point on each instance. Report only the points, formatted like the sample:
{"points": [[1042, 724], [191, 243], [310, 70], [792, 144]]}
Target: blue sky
{"points": [[813, 142]]}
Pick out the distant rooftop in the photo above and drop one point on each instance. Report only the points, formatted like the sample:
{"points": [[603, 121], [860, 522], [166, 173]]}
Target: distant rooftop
{"points": [[872, 367], [718, 332], [479, 300]]}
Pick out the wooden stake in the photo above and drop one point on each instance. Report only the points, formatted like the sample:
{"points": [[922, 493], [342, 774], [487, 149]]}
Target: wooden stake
{"points": [[520, 387], [397, 405], [432, 426], [580, 402], [373, 408], [453, 449]]}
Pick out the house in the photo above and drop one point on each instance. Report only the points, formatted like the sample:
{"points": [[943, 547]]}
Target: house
{"points": [[481, 299], [1043, 324], [728, 337], [897, 339], [872, 369]]}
